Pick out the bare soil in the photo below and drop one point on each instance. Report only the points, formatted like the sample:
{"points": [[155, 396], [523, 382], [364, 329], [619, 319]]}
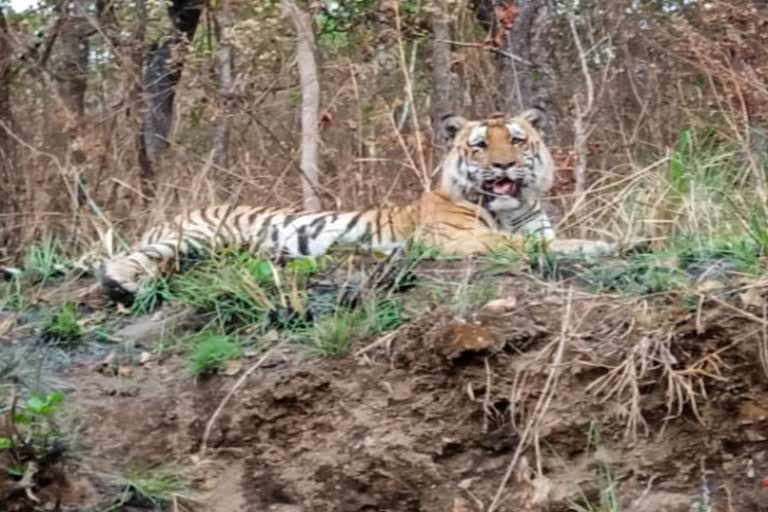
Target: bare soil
{"points": [[432, 417]]}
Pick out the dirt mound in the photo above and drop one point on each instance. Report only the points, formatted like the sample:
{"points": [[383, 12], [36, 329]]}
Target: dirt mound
{"points": [[549, 399]]}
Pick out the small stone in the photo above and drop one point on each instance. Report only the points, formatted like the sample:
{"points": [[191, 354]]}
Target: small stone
{"points": [[499, 306], [232, 368]]}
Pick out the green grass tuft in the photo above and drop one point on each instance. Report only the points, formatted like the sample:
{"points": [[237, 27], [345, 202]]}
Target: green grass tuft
{"points": [[239, 289], [151, 296], [149, 488], [684, 260], [641, 275], [333, 335], [45, 261], [64, 325], [608, 500], [209, 352], [12, 295]]}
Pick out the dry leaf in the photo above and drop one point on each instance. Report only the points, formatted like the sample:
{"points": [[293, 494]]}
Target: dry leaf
{"points": [[751, 412], [709, 285], [461, 505], [504, 305], [106, 365], [232, 368], [752, 297], [6, 324], [459, 338]]}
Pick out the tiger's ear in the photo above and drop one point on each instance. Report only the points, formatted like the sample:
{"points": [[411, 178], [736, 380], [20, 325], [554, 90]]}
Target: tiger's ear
{"points": [[536, 116], [450, 125]]}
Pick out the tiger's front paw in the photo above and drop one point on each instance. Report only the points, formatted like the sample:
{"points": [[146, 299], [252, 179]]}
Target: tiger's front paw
{"points": [[593, 248], [121, 279]]}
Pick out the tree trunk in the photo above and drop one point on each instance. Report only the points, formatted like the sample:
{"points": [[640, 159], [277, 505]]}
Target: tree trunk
{"points": [[164, 64], [310, 103], [135, 95], [8, 173], [71, 69], [521, 27], [224, 68], [7, 146], [441, 71]]}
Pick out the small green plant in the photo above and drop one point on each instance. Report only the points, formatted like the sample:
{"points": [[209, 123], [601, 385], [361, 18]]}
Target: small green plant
{"points": [[151, 296], [12, 296], [234, 288], [156, 488], [339, 20], [64, 326], [609, 499], [418, 251], [32, 434], [742, 254], [504, 260], [209, 352], [757, 224], [306, 266], [333, 335], [383, 315], [641, 275], [469, 294], [409, 6], [45, 261]]}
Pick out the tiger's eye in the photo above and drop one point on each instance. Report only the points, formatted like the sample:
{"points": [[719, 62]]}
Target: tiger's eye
{"points": [[481, 144]]}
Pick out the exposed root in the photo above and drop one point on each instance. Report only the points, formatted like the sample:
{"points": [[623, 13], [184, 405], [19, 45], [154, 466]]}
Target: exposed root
{"points": [[550, 388]]}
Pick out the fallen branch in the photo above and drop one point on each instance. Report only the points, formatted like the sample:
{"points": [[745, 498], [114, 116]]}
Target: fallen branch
{"points": [[481, 46]]}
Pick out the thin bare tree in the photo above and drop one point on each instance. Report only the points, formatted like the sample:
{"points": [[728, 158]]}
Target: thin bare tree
{"points": [[310, 102], [164, 64], [71, 71], [224, 70], [6, 116], [441, 69], [519, 29], [7, 144]]}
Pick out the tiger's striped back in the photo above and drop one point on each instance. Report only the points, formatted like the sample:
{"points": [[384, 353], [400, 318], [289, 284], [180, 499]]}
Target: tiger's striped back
{"points": [[436, 219]]}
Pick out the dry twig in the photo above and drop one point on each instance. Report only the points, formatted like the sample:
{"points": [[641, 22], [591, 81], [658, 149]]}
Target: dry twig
{"points": [[225, 400], [542, 404]]}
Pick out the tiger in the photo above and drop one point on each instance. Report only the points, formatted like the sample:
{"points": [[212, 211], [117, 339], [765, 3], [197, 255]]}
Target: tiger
{"points": [[502, 165], [492, 179]]}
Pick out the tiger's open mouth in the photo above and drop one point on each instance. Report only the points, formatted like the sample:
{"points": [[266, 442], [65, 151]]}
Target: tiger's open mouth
{"points": [[502, 187]]}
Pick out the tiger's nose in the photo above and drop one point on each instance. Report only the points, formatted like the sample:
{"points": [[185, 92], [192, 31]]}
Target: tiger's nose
{"points": [[504, 164]]}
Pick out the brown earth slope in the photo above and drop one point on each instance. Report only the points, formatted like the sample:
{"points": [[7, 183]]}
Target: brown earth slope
{"points": [[535, 403]]}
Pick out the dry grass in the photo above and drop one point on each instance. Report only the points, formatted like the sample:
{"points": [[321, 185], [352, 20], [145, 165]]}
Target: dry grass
{"points": [[366, 158]]}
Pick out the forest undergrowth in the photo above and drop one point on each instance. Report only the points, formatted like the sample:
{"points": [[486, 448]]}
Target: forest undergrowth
{"points": [[512, 381], [561, 372]]}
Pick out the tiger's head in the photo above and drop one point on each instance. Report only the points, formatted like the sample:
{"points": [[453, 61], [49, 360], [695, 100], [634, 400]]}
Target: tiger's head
{"points": [[500, 163]]}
